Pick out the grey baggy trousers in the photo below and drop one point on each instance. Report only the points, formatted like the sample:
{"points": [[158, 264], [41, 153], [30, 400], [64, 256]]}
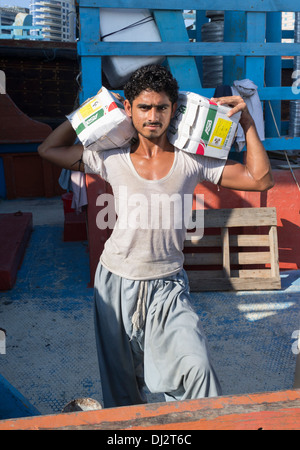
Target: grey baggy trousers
{"points": [[147, 332]]}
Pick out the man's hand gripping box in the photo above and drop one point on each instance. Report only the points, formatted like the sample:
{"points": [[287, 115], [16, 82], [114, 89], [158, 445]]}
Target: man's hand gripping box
{"points": [[202, 127], [102, 124]]}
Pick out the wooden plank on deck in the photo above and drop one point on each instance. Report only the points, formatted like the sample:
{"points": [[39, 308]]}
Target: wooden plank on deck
{"points": [[267, 411]]}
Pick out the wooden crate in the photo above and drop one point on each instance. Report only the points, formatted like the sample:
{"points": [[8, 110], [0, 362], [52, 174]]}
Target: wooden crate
{"points": [[238, 251]]}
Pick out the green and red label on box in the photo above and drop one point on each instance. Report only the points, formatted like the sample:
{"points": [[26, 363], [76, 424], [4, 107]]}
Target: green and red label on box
{"points": [[201, 126]]}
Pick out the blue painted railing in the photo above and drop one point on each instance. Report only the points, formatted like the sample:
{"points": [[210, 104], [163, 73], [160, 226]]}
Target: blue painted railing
{"points": [[252, 49], [26, 32], [13, 404]]}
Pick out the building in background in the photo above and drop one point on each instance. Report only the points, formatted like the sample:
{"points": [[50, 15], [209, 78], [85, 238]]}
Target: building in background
{"points": [[8, 14], [57, 17], [288, 23]]}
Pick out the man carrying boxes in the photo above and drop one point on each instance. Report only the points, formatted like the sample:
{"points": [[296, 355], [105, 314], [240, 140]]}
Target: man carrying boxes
{"points": [[146, 329]]}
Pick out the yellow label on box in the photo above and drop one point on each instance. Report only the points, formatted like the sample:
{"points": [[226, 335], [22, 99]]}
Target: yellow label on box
{"points": [[220, 132], [90, 108]]}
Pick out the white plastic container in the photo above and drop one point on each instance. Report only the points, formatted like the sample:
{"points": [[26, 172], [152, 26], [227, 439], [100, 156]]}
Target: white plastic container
{"points": [[202, 127], [127, 25]]}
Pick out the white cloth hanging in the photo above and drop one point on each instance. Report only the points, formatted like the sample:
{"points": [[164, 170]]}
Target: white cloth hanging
{"points": [[248, 91], [79, 190]]}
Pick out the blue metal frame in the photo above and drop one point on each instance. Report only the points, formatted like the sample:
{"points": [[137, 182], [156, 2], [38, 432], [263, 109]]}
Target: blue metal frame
{"points": [[25, 32], [13, 404], [252, 49]]}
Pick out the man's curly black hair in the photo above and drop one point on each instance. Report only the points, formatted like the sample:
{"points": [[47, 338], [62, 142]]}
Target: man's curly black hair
{"points": [[152, 78]]}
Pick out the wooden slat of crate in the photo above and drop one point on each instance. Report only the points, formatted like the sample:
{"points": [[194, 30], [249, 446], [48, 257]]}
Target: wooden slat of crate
{"points": [[232, 283], [237, 240], [274, 251], [231, 258], [227, 250], [255, 273], [239, 217]]}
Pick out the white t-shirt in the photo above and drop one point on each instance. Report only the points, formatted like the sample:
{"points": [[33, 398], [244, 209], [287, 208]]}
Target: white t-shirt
{"points": [[152, 215]]}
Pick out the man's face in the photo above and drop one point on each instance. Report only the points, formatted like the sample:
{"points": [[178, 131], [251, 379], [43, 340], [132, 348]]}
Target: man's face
{"points": [[151, 113]]}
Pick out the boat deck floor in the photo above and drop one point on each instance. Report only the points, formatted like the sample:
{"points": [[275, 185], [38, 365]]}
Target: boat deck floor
{"points": [[48, 316]]}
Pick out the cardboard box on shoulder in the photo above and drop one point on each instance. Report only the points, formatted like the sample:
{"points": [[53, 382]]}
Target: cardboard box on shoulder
{"points": [[101, 123], [202, 127]]}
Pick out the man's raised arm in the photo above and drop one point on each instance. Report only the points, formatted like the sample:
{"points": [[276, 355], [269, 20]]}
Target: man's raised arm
{"points": [[255, 174], [59, 148]]}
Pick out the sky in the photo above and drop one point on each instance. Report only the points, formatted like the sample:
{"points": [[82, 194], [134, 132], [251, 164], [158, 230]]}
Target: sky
{"points": [[22, 3]]}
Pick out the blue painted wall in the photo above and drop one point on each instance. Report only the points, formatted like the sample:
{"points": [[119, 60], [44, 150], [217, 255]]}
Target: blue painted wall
{"points": [[251, 49]]}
